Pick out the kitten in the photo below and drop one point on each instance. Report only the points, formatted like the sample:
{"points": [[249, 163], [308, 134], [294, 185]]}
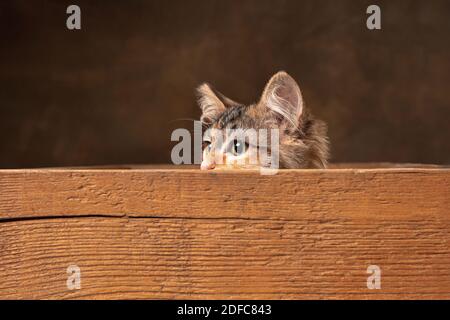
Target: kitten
{"points": [[303, 142]]}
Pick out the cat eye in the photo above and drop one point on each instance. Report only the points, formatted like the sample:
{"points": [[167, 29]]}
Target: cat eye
{"points": [[239, 147], [206, 144]]}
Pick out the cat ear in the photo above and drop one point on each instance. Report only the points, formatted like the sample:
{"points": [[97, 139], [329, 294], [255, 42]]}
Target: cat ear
{"points": [[283, 97], [212, 103]]}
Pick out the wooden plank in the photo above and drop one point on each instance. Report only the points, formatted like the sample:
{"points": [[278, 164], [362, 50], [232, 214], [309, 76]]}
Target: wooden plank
{"points": [[158, 258], [191, 193], [183, 233]]}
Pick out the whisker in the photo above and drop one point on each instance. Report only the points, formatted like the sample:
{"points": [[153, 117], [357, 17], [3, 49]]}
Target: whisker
{"points": [[183, 119]]}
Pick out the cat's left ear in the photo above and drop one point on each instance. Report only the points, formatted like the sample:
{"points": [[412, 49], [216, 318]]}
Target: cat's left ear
{"points": [[213, 103], [282, 96]]}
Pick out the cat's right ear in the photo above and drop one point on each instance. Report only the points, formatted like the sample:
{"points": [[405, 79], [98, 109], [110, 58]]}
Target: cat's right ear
{"points": [[282, 96], [212, 103]]}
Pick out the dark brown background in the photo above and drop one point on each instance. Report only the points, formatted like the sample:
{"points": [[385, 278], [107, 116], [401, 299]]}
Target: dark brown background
{"points": [[112, 92]]}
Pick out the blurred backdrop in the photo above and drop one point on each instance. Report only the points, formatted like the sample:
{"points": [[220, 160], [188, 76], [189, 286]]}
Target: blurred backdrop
{"points": [[113, 92]]}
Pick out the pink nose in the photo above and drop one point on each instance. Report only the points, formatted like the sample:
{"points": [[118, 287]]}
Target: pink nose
{"points": [[207, 165]]}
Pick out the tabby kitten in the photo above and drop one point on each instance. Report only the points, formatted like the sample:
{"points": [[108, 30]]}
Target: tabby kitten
{"points": [[303, 142]]}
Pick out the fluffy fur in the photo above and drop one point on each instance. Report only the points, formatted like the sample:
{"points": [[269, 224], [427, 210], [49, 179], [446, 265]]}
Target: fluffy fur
{"points": [[303, 139]]}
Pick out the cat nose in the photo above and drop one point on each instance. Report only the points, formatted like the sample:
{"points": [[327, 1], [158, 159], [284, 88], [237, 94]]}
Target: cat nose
{"points": [[206, 165]]}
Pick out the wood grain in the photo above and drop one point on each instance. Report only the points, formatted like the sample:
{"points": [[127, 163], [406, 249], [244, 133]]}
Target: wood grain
{"points": [[182, 233], [191, 193]]}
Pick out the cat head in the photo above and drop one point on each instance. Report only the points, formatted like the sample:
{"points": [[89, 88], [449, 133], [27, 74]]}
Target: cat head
{"points": [[302, 139]]}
